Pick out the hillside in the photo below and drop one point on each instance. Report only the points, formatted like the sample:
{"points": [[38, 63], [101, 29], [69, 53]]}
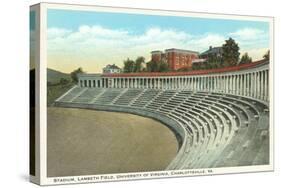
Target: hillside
{"points": [[54, 76]]}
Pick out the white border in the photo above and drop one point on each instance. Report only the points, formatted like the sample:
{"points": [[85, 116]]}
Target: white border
{"points": [[44, 180]]}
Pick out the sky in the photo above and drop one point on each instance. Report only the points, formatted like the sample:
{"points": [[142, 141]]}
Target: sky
{"points": [[32, 28], [92, 40]]}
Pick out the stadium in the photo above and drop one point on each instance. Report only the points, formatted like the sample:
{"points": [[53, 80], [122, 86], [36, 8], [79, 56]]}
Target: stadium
{"points": [[220, 117]]}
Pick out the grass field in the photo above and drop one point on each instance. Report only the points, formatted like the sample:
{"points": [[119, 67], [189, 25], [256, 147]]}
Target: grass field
{"points": [[56, 90], [88, 142]]}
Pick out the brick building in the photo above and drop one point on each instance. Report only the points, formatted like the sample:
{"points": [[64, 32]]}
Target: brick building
{"points": [[176, 58]]}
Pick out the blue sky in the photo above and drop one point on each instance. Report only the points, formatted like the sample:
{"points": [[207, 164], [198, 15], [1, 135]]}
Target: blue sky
{"points": [[139, 23], [86, 36], [32, 24], [32, 20]]}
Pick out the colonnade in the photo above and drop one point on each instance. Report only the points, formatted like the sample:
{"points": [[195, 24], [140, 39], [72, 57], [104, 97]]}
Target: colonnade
{"points": [[247, 83]]}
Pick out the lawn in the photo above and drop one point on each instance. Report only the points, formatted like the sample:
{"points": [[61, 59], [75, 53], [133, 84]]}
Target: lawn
{"points": [[88, 142], [56, 90]]}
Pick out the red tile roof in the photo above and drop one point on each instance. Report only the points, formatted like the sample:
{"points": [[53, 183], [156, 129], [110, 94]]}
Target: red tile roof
{"points": [[187, 73]]}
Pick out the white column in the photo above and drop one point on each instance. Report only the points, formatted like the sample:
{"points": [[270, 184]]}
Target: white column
{"points": [[254, 85], [219, 83], [266, 88], [197, 83], [261, 84], [248, 83], [211, 83], [231, 83], [225, 90], [190, 83], [244, 83], [235, 85], [222, 84], [215, 83], [240, 88], [204, 83], [194, 83], [258, 85], [200, 83]]}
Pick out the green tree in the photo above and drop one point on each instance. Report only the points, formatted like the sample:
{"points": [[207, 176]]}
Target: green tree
{"points": [[214, 61], [163, 67], [139, 64], [267, 55], [129, 66], [230, 52], [74, 74], [64, 81], [245, 59], [152, 66]]}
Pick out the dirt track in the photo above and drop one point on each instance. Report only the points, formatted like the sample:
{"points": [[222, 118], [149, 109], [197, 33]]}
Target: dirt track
{"points": [[87, 142]]}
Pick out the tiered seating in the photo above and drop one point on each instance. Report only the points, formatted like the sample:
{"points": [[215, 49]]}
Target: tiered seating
{"points": [[88, 95], [145, 97], [222, 130], [74, 92], [109, 96], [162, 98], [128, 96]]}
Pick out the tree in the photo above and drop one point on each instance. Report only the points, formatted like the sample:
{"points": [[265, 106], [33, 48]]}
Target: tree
{"points": [[245, 59], [129, 66], [63, 81], [152, 66], [267, 55], [214, 61], [163, 66], [230, 52], [74, 74], [139, 64]]}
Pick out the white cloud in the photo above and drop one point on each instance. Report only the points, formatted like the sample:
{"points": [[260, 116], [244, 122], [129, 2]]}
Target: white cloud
{"points": [[255, 53], [57, 32], [99, 45], [203, 42], [251, 38], [248, 34]]}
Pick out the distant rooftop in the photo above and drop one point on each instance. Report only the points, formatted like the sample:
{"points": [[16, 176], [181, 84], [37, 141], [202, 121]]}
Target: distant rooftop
{"points": [[181, 50], [175, 50], [156, 52], [113, 66], [212, 50], [193, 72]]}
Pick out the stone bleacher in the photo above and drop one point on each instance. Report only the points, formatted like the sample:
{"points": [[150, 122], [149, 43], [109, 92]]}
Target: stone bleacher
{"points": [[222, 130]]}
